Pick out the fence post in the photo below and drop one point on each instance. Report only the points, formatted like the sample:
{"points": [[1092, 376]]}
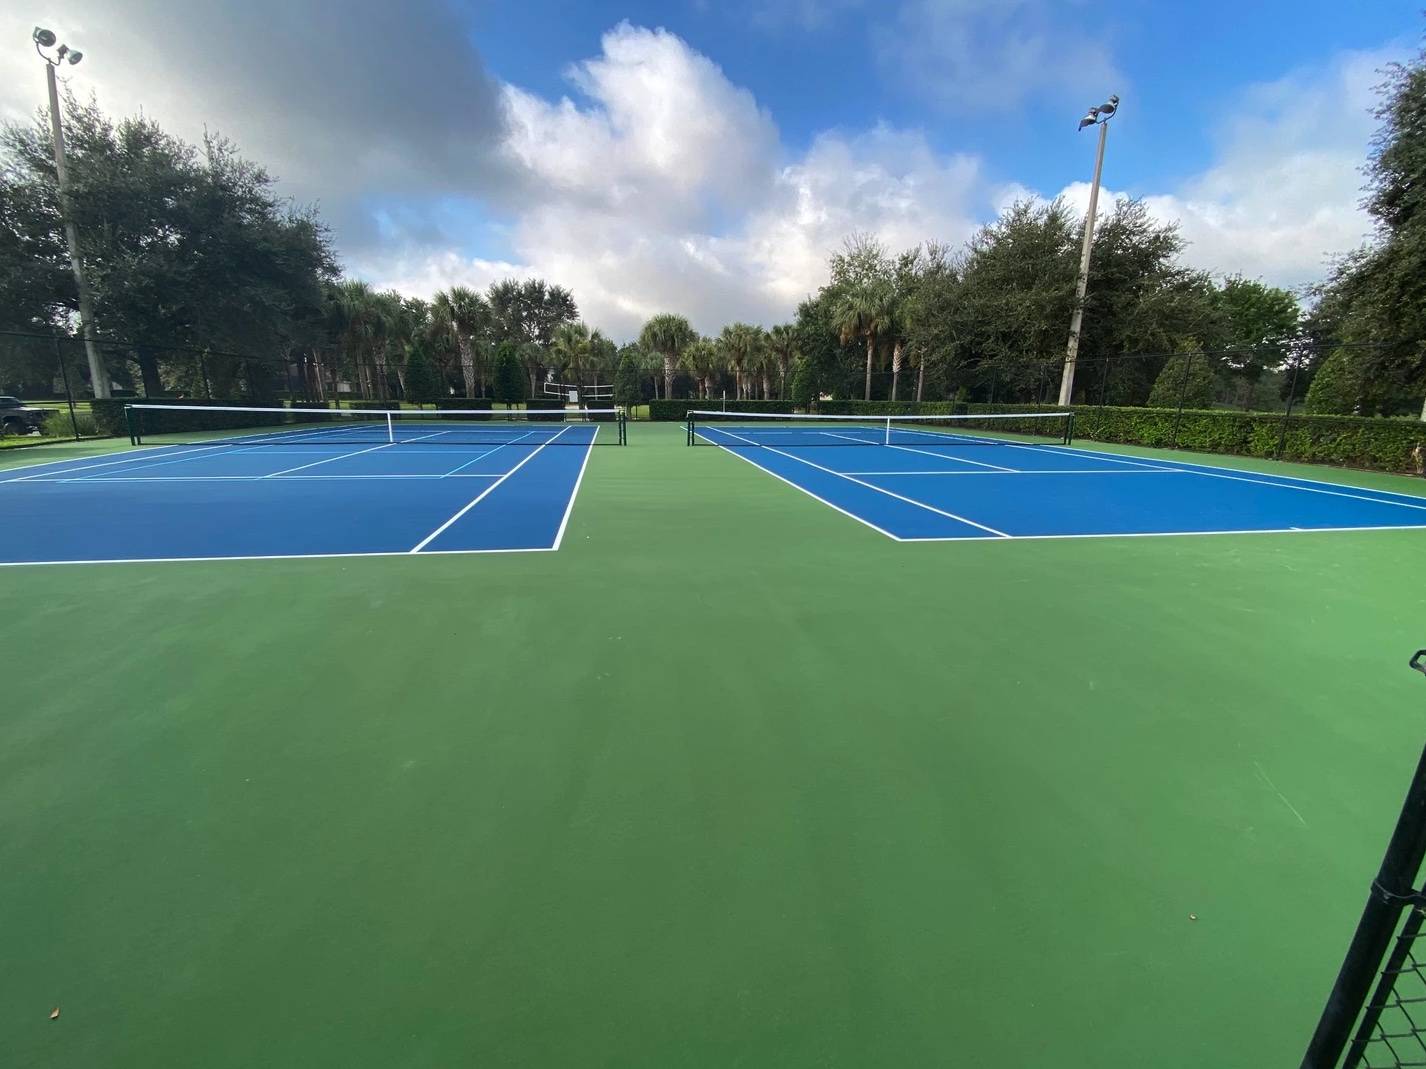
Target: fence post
{"points": [[1182, 393], [1391, 892], [68, 393], [1104, 383], [1287, 414]]}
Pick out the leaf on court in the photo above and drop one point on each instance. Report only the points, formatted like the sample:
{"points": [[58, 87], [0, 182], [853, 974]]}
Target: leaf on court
{"points": [[54, 1013]]}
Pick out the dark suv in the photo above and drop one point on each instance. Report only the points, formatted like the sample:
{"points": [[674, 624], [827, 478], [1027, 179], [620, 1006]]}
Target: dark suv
{"points": [[18, 418]]}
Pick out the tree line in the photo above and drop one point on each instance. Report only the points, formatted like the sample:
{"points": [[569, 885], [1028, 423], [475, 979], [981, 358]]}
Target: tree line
{"points": [[207, 282]]}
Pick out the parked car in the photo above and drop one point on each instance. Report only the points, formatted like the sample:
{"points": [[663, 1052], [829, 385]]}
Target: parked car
{"points": [[16, 417]]}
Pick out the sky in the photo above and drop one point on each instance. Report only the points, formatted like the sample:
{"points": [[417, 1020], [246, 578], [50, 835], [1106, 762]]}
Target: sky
{"points": [[707, 156]]}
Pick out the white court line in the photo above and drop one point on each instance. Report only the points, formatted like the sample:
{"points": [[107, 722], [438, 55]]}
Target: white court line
{"points": [[248, 478], [569, 508], [487, 453], [1035, 471], [481, 496], [1174, 534], [163, 463], [803, 489], [107, 463], [943, 456], [276, 556], [1223, 474], [353, 453], [328, 460], [877, 489]]}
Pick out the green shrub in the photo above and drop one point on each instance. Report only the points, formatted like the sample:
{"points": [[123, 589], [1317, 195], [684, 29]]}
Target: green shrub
{"points": [[889, 408], [461, 404], [1337, 386], [1187, 378], [510, 386], [677, 410]]}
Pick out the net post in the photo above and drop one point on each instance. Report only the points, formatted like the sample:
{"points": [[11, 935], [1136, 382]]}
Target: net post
{"points": [[688, 427], [131, 421], [390, 430], [1069, 428], [887, 440]]}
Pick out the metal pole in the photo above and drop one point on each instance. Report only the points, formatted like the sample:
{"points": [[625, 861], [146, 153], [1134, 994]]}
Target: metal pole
{"points": [[1182, 391], [97, 373], [1072, 349], [1287, 414], [1391, 892], [68, 393]]}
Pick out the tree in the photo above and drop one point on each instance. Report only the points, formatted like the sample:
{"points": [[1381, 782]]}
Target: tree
{"points": [[1336, 388], [704, 362], [627, 391], [423, 384], [863, 312], [469, 317], [183, 245], [1376, 297], [1261, 323], [739, 345], [782, 346], [570, 351], [804, 384], [1187, 378], [509, 375], [527, 314], [668, 335]]}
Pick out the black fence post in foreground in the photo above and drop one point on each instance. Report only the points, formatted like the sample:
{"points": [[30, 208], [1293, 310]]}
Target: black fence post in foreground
{"points": [[1392, 892]]}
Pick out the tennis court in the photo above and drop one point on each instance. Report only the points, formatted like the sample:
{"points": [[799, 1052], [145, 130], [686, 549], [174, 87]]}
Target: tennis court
{"points": [[728, 774], [1016, 476], [207, 483]]}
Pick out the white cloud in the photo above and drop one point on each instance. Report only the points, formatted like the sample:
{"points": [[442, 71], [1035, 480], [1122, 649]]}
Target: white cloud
{"points": [[665, 190], [658, 184], [1283, 195]]}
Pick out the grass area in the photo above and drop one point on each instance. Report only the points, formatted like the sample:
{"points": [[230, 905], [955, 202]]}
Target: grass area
{"points": [[730, 779]]}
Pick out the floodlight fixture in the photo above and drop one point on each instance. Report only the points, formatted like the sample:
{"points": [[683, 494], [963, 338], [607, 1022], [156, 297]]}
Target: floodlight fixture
{"points": [[75, 57], [43, 37]]}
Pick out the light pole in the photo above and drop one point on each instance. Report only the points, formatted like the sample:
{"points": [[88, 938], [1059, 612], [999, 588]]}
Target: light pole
{"points": [[1097, 116], [43, 39]]}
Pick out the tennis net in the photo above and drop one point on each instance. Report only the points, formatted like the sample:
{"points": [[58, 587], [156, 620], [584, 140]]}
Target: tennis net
{"points": [[218, 424], [807, 429]]}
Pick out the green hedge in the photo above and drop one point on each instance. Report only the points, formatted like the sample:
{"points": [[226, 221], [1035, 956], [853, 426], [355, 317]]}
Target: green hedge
{"points": [[109, 416], [677, 411], [467, 404], [889, 408]]}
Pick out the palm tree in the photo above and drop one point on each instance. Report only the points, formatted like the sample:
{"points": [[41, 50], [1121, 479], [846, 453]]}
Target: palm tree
{"points": [[862, 313], [468, 315], [741, 344], [703, 361], [782, 344], [668, 335], [356, 316], [572, 348]]}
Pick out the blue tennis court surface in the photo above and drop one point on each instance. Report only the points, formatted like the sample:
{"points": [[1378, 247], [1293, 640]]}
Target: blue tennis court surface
{"points": [[920, 487], [253, 496]]}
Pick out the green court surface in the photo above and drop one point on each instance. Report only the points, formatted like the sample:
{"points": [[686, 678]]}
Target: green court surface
{"points": [[730, 779]]}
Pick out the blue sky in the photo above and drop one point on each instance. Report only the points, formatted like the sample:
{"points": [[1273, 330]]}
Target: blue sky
{"points": [[1182, 65], [706, 157]]}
